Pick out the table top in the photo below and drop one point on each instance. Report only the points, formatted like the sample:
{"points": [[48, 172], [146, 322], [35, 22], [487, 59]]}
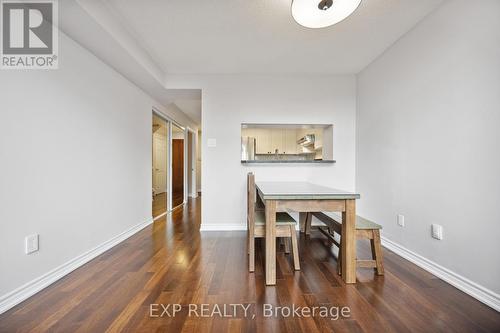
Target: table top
{"points": [[300, 191]]}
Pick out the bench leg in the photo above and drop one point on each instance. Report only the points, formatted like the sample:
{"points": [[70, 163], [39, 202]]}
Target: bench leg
{"points": [[377, 252], [339, 259], [295, 248], [287, 245], [251, 253]]}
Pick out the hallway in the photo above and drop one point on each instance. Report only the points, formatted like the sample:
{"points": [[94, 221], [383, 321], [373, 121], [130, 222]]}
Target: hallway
{"points": [[171, 263]]}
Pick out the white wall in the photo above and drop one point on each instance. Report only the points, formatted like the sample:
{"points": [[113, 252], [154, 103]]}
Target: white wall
{"points": [[82, 175], [428, 139], [229, 100]]}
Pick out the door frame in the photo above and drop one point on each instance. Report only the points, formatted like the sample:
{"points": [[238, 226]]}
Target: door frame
{"points": [[170, 123], [194, 192], [156, 112], [184, 198]]}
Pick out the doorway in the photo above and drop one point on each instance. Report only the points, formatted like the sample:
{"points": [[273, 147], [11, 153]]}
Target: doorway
{"points": [[160, 166], [177, 166]]}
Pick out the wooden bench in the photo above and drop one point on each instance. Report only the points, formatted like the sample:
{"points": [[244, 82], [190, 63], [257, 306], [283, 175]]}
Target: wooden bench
{"points": [[365, 229], [256, 226]]}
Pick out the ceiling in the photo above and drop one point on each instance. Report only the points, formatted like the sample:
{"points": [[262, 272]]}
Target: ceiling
{"points": [[191, 107], [188, 101], [260, 36]]}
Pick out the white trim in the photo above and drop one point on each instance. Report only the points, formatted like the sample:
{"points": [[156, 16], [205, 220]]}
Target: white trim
{"points": [[469, 287], [169, 121], [223, 227], [166, 117], [159, 216], [27, 290], [194, 161]]}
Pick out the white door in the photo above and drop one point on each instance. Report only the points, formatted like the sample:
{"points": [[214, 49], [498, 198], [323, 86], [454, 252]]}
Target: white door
{"points": [[159, 163]]}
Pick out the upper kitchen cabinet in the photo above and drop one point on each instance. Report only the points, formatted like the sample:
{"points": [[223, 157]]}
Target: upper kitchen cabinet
{"points": [[262, 141], [278, 141], [291, 146], [272, 143]]}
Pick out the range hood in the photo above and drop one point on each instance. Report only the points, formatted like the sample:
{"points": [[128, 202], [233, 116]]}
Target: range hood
{"points": [[306, 140]]}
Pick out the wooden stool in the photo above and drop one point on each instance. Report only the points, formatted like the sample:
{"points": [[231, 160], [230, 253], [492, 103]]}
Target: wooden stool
{"points": [[256, 226], [365, 229]]}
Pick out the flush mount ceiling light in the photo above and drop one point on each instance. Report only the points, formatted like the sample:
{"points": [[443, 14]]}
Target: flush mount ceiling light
{"points": [[322, 13]]}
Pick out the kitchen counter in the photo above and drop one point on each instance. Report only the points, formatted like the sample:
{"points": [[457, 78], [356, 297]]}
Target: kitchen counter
{"points": [[288, 161]]}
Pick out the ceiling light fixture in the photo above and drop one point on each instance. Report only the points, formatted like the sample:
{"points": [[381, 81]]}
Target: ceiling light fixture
{"points": [[322, 13]]}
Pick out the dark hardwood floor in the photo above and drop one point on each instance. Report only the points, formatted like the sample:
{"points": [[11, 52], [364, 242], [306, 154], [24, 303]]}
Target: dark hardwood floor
{"points": [[159, 204], [171, 262]]}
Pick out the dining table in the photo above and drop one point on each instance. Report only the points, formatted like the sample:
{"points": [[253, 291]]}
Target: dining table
{"points": [[304, 198]]}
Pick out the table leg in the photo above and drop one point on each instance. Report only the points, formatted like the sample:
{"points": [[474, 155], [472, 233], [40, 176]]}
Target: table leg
{"points": [[270, 242], [349, 242], [302, 221], [308, 224]]}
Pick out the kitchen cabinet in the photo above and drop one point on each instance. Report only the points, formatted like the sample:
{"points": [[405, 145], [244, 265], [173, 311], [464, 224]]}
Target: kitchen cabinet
{"points": [[291, 146], [270, 139], [263, 140], [277, 141]]}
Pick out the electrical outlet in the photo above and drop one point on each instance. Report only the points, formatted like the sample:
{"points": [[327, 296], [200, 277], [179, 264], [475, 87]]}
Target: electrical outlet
{"points": [[437, 231], [31, 243], [401, 220]]}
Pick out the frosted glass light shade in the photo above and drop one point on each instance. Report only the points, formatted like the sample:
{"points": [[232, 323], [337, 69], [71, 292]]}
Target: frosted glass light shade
{"points": [[322, 13]]}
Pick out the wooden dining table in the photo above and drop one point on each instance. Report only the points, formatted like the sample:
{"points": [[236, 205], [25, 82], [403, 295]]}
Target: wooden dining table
{"points": [[304, 197]]}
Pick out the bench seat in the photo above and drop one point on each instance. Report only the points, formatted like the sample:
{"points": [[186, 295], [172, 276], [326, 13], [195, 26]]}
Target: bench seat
{"points": [[281, 218], [361, 222], [365, 229]]}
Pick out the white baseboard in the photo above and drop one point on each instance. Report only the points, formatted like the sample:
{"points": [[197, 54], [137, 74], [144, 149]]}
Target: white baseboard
{"points": [[469, 287], [159, 216], [20, 294], [15, 297]]}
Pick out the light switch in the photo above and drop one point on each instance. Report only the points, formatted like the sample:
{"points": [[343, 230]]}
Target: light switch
{"points": [[31, 243], [401, 220], [437, 231]]}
